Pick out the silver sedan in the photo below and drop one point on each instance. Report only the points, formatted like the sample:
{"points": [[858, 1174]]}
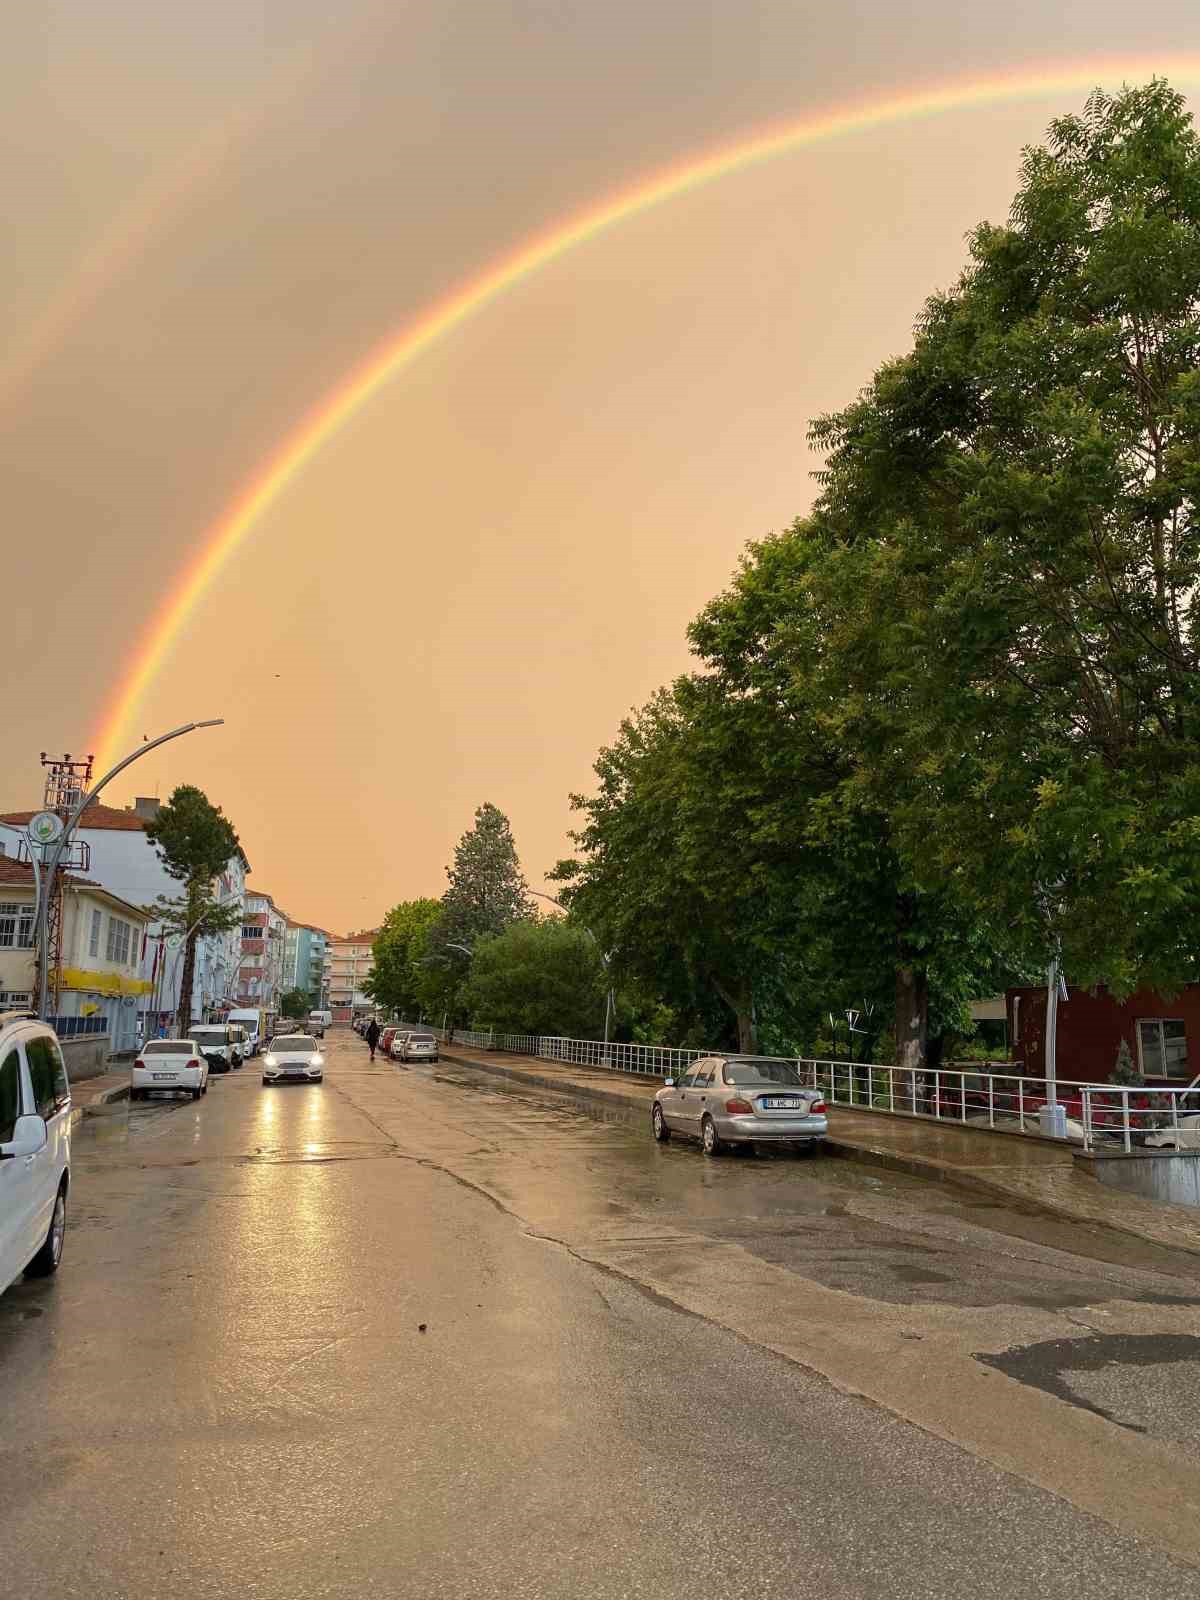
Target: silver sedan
{"points": [[740, 1100]]}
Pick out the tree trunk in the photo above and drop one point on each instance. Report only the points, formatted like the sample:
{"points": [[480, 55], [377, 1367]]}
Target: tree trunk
{"points": [[912, 1015], [184, 1016], [740, 1000]]}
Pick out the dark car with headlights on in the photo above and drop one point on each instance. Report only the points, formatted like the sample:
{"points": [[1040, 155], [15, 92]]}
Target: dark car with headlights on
{"points": [[738, 1102]]}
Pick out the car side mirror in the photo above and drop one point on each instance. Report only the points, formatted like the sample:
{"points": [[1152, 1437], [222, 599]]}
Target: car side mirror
{"points": [[668, 1083], [29, 1136]]}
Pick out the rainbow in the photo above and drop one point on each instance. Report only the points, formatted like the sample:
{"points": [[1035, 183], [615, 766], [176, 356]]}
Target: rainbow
{"points": [[163, 196], [387, 360]]}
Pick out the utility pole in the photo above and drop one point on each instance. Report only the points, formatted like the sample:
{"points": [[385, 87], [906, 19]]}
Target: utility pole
{"points": [[59, 845]]}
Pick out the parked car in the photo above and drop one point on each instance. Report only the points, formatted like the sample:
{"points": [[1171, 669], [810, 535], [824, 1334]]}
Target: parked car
{"points": [[35, 1148], [216, 1043], [740, 1101], [415, 1044], [294, 1057], [385, 1041], [174, 1064], [254, 1021]]}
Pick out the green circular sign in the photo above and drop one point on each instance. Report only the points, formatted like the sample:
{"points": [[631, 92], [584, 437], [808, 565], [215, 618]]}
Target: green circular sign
{"points": [[45, 828]]}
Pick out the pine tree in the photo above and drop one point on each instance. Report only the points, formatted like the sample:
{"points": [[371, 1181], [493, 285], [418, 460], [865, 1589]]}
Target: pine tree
{"points": [[487, 890], [1125, 1072], [195, 840]]}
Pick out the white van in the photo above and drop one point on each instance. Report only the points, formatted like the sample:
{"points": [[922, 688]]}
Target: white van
{"points": [[35, 1148], [254, 1023], [317, 1023]]}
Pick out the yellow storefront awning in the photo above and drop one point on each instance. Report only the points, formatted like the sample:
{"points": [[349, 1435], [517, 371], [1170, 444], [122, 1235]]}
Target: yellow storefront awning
{"points": [[110, 983]]}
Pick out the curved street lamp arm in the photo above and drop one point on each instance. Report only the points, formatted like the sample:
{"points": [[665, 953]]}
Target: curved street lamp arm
{"points": [[65, 836]]}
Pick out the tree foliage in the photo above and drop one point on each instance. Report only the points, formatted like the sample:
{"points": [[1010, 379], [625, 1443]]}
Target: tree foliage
{"points": [[1008, 582], [195, 841], [487, 890], [296, 1003], [947, 723], [537, 977], [398, 979]]}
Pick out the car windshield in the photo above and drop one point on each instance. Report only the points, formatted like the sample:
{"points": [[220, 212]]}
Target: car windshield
{"points": [[209, 1035], [420, 1038], [296, 1044], [168, 1047], [746, 1074]]}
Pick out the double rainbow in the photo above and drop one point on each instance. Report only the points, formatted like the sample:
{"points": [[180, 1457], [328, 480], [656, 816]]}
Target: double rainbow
{"points": [[397, 352]]}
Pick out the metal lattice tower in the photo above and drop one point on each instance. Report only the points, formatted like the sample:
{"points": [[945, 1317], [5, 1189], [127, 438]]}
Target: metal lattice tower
{"points": [[67, 781]]}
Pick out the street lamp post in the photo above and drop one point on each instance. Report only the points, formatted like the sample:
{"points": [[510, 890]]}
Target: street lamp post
{"points": [[605, 957], [45, 888]]}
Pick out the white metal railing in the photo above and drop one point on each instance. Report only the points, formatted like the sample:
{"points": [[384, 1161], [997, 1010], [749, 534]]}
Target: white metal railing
{"points": [[647, 1060], [1116, 1116], [971, 1098], [1099, 1115]]}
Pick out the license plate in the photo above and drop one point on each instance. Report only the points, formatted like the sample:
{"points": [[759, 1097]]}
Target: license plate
{"points": [[778, 1102], [165, 1077]]}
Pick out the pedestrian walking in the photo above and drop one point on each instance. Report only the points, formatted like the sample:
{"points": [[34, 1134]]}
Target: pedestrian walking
{"points": [[372, 1036]]}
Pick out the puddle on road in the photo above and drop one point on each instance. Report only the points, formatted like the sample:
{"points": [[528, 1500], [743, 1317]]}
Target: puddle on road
{"points": [[316, 1151], [1061, 1367]]}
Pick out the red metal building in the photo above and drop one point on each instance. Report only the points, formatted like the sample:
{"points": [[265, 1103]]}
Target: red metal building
{"points": [[1163, 1035]]}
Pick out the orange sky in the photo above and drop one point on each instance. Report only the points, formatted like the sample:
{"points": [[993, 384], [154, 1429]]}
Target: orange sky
{"points": [[466, 590]]}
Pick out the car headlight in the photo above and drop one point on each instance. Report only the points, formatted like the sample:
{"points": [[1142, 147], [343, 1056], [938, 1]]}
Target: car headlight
{"points": [[318, 1061], [269, 1061]]}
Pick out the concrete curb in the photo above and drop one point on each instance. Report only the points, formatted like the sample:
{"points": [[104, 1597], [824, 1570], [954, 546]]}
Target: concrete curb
{"points": [[535, 1080], [871, 1155], [97, 1105]]}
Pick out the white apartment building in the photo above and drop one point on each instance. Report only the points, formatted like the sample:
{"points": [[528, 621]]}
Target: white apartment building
{"points": [[123, 861], [348, 964]]}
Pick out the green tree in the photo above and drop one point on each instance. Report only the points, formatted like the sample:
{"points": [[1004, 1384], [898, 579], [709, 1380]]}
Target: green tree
{"points": [[816, 827], [397, 976], [486, 893], [296, 1003], [537, 977], [1009, 560], [195, 841], [687, 865]]}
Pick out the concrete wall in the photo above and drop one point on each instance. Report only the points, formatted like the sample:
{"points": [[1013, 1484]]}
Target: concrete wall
{"points": [[85, 1056]]}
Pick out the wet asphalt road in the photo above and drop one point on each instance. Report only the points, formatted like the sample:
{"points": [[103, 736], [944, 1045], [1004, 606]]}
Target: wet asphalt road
{"points": [[417, 1333]]}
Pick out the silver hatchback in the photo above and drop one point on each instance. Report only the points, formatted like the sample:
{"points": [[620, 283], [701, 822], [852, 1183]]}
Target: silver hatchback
{"points": [[740, 1100]]}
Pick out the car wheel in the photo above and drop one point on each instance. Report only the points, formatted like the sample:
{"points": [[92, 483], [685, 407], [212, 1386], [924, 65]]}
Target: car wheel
{"points": [[48, 1257], [658, 1125], [267, 1082], [709, 1139], [196, 1093], [136, 1094]]}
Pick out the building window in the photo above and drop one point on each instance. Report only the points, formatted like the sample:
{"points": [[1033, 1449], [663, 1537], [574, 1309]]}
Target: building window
{"points": [[117, 947], [1162, 1048], [14, 999], [16, 926], [252, 932], [94, 935]]}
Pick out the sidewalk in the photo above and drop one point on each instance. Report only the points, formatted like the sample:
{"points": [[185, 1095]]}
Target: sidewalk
{"points": [[1023, 1171], [94, 1096]]}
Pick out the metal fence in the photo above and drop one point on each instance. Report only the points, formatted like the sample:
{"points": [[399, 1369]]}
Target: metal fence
{"points": [[1116, 1117], [971, 1098], [1099, 1116], [646, 1060], [72, 1027]]}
